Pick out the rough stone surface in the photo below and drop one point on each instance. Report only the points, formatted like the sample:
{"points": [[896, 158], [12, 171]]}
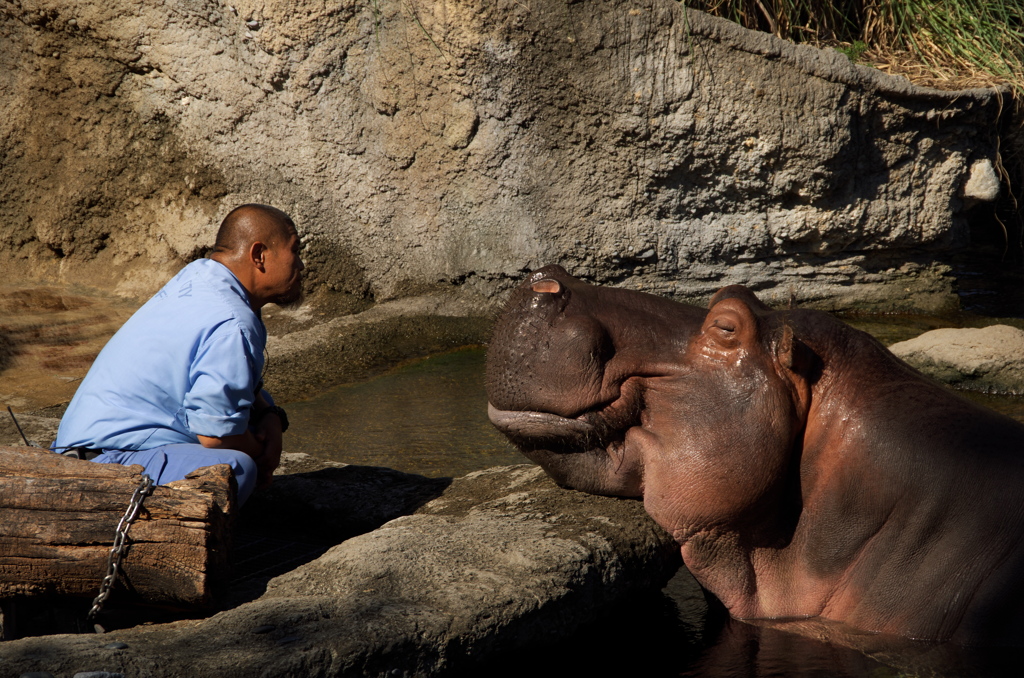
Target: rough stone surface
{"points": [[988, 359], [325, 350], [40, 431], [983, 182], [501, 561], [426, 145], [329, 502]]}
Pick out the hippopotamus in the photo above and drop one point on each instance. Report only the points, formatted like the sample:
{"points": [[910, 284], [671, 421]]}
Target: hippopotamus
{"points": [[806, 472]]}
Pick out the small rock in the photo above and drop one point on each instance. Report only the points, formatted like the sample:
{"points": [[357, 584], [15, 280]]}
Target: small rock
{"points": [[266, 628], [37, 674], [116, 645], [98, 674], [983, 182], [252, 24]]}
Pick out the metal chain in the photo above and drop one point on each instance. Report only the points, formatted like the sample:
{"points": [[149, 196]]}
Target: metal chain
{"points": [[120, 546]]}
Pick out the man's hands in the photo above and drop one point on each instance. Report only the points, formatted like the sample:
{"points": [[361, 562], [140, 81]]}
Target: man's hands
{"points": [[264, 446], [268, 433]]}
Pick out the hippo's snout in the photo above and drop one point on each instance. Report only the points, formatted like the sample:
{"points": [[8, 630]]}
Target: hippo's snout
{"points": [[547, 352]]}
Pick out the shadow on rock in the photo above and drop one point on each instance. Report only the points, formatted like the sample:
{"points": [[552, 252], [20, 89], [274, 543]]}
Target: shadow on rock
{"points": [[503, 561], [7, 351], [330, 505], [303, 514]]}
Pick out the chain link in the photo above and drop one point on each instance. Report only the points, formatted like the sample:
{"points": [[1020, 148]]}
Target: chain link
{"points": [[120, 547]]}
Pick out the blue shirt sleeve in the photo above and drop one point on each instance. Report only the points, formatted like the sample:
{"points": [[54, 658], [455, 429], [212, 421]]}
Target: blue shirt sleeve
{"points": [[222, 384]]}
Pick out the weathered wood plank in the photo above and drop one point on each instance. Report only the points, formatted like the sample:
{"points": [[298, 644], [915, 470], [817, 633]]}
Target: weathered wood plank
{"points": [[57, 522]]}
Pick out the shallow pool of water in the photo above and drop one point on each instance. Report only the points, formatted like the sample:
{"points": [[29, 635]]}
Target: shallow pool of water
{"points": [[428, 417]]}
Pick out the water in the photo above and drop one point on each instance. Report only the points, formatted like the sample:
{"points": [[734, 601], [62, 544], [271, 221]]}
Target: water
{"points": [[429, 417]]}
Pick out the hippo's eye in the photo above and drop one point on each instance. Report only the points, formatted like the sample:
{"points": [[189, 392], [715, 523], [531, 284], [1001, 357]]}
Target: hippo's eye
{"points": [[546, 286]]}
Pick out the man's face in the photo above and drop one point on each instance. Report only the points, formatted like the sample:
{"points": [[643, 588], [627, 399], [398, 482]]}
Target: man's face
{"points": [[284, 269]]}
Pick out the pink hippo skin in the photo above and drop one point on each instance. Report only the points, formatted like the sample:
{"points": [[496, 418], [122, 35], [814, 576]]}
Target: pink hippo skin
{"points": [[806, 472]]}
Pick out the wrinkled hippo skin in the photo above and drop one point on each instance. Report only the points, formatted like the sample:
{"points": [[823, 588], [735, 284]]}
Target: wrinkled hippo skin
{"points": [[806, 472]]}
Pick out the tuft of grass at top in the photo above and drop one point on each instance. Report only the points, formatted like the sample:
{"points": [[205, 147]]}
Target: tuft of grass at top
{"points": [[855, 51], [941, 42]]}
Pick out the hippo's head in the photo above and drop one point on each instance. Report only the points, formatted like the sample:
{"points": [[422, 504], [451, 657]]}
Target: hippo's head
{"points": [[562, 373], [619, 392], [804, 470]]}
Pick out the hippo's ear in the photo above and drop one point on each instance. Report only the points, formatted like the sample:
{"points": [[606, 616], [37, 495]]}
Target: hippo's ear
{"points": [[794, 354], [731, 324]]}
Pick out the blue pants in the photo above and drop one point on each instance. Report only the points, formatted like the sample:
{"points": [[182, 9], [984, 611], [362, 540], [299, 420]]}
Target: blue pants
{"points": [[168, 463]]}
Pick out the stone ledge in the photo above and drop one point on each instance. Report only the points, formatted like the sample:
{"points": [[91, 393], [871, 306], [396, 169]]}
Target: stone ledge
{"points": [[502, 560]]}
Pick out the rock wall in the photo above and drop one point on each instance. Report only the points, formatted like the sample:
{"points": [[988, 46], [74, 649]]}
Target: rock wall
{"points": [[426, 144]]}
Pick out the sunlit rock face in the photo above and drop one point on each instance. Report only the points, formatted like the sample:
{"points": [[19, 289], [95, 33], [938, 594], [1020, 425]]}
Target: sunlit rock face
{"points": [[424, 144]]}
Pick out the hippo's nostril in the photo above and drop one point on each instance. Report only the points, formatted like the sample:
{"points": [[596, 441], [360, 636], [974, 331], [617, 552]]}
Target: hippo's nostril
{"points": [[546, 286]]}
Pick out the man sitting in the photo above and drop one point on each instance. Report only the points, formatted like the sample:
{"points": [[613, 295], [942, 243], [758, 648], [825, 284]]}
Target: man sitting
{"points": [[179, 386]]}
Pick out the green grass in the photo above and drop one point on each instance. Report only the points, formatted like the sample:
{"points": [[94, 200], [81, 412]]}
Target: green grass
{"points": [[854, 51], [979, 40]]}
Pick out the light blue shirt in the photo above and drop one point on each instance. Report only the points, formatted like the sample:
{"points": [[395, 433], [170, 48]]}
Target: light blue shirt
{"points": [[185, 364]]}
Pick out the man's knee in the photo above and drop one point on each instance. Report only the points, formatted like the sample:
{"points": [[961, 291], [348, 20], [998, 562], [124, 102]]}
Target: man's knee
{"points": [[173, 462], [244, 469]]}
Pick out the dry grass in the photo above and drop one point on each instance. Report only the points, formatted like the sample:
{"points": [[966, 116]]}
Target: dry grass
{"points": [[950, 76], [946, 44]]}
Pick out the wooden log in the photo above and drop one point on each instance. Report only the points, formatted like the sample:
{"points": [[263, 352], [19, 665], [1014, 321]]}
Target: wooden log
{"points": [[58, 516]]}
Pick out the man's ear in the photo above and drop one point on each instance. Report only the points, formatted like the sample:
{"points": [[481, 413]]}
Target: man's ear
{"points": [[731, 324], [258, 256]]}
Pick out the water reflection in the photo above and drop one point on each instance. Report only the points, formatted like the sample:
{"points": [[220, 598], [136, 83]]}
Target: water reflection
{"points": [[742, 650], [429, 417]]}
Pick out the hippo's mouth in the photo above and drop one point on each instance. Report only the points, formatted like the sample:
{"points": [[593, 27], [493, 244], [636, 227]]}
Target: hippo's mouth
{"points": [[543, 430]]}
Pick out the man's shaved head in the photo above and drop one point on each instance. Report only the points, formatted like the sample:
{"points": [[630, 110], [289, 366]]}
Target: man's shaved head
{"points": [[250, 223], [260, 245]]}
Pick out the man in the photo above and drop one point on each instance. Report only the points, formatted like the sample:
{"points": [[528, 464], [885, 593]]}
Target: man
{"points": [[179, 386]]}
